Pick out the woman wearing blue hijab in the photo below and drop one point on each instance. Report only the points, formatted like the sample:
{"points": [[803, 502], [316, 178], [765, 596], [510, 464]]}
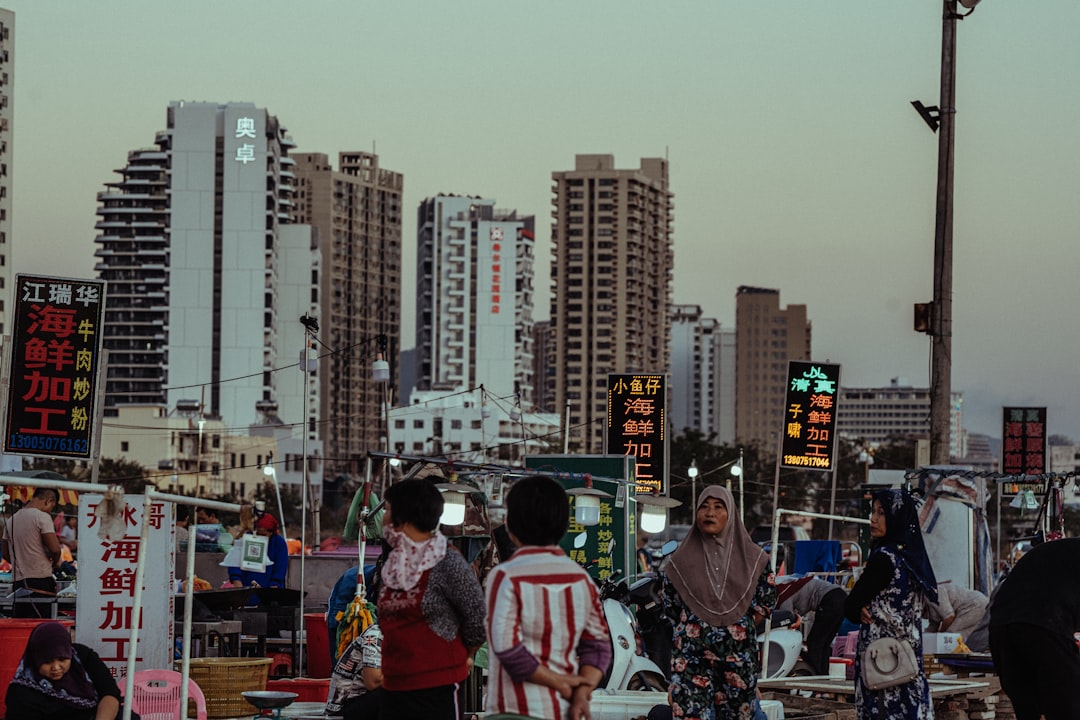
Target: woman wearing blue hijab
{"points": [[887, 601]]}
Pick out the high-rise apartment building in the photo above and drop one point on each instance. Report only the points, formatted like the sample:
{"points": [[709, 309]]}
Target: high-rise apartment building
{"points": [[474, 297], [702, 383], [611, 280], [767, 337], [7, 119], [474, 329], [541, 358], [202, 305], [356, 213]]}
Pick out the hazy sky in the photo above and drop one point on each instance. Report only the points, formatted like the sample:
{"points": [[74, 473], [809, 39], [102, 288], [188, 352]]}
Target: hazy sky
{"points": [[796, 160]]}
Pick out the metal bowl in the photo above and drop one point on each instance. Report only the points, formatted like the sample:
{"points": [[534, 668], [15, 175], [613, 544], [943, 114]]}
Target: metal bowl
{"points": [[268, 699]]}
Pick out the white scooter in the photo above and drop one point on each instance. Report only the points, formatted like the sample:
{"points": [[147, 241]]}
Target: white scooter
{"points": [[630, 668], [785, 646]]}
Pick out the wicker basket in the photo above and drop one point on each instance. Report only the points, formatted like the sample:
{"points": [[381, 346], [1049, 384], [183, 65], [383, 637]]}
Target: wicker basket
{"points": [[222, 680]]}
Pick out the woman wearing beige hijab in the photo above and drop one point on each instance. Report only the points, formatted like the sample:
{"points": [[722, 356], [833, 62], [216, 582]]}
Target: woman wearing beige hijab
{"points": [[716, 586]]}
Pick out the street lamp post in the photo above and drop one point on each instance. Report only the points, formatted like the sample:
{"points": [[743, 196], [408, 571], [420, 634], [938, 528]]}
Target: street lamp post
{"points": [[941, 309], [692, 473], [736, 470]]}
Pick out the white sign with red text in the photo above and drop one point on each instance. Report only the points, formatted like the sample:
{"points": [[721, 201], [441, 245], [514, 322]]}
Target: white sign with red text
{"points": [[106, 586]]}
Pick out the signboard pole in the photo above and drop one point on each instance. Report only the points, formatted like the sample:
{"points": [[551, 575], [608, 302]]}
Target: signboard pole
{"points": [[776, 478], [99, 416], [832, 501]]}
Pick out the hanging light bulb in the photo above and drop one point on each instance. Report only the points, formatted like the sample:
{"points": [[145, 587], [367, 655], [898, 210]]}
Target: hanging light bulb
{"points": [[587, 510], [653, 519], [515, 414], [654, 509], [587, 503], [454, 494]]}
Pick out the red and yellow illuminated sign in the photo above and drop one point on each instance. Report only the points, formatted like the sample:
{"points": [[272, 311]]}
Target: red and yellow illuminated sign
{"points": [[809, 430], [636, 417], [56, 346]]}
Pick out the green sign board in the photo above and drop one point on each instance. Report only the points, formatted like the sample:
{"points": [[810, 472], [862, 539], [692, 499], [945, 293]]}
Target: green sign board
{"points": [[614, 475]]}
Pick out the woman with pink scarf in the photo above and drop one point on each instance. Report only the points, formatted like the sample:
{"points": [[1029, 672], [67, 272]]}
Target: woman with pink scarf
{"points": [[431, 608]]}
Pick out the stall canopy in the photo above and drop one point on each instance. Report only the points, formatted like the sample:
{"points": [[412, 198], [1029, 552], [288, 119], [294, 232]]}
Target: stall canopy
{"points": [[19, 484]]}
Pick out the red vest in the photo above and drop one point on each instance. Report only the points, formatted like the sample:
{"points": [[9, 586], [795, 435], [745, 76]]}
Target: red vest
{"points": [[414, 657]]}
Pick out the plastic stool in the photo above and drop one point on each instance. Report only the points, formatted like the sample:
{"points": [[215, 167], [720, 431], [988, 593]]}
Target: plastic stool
{"points": [[281, 665]]}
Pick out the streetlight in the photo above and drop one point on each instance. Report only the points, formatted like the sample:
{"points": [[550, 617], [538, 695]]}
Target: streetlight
{"points": [[736, 470], [692, 473], [939, 323]]}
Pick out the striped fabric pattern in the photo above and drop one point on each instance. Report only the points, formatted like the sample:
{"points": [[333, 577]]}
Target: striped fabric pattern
{"points": [[543, 601]]}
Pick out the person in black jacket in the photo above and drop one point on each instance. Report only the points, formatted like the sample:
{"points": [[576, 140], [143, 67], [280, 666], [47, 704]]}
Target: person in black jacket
{"points": [[58, 679], [1033, 616]]}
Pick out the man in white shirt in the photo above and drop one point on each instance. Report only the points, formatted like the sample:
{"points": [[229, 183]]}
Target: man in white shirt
{"points": [[31, 546]]}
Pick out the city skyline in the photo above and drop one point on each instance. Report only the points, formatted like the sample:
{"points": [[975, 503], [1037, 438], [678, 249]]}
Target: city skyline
{"points": [[795, 159]]}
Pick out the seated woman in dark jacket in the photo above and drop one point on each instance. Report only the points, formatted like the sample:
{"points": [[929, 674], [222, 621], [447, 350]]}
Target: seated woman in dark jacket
{"points": [[59, 679]]}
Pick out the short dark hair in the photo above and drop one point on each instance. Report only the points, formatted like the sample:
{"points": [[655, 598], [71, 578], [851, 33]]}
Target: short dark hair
{"points": [[537, 511], [415, 501], [44, 493]]}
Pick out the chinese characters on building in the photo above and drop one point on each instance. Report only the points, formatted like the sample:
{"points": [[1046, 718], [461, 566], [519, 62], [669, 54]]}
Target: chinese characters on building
{"points": [[810, 415], [636, 426], [104, 613], [56, 345], [245, 128], [496, 238], [1023, 441]]}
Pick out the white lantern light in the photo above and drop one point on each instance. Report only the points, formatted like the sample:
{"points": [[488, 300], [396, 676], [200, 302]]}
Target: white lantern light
{"points": [[454, 502], [653, 518], [653, 511], [587, 510], [453, 508]]}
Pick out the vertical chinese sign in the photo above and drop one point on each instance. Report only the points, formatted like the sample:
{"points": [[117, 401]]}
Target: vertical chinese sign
{"points": [[55, 357], [1023, 444], [809, 437], [107, 585], [637, 408]]}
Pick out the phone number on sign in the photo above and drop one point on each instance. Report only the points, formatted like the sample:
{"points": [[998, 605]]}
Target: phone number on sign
{"points": [[18, 441]]}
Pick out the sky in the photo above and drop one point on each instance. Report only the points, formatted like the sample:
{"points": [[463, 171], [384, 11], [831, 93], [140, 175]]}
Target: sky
{"points": [[796, 160]]}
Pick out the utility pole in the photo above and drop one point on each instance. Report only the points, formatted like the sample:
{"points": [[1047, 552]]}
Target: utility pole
{"points": [[941, 315]]}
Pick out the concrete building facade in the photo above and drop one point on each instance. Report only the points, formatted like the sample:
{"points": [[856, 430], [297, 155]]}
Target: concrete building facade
{"points": [[897, 411], [7, 126], [611, 285], [702, 382], [767, 337], [192, 240], [474, 361], [474, 304], [356, 213]]}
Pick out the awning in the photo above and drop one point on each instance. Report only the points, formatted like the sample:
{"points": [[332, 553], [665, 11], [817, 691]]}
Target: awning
{"points": [[20, 485]]}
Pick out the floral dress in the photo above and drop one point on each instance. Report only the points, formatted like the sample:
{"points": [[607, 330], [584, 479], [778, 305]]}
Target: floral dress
{"points": [[895, 612], [714, 670]]}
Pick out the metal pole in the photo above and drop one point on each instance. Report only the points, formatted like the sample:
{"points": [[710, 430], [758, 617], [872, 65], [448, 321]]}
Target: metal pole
{"points": [[304, 500], [742, 471], [941, 322], [566, 432], [832, 501]]}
